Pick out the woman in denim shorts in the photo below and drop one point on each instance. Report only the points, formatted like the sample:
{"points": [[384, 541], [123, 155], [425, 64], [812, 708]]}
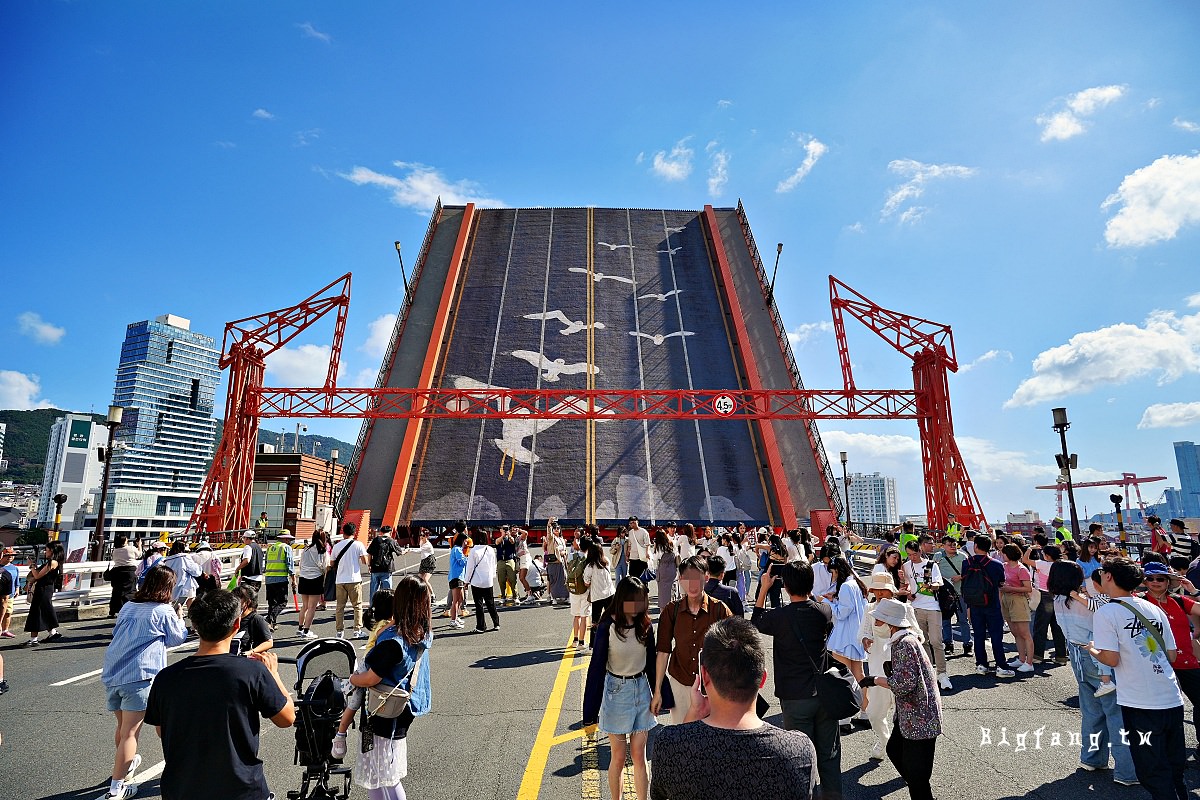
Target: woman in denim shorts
{"points": [[617, 692], [146, 626]]}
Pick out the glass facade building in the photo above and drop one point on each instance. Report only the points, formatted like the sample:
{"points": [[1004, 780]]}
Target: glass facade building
{"points": [[166, 382], [872, 498], [1187, 459]]}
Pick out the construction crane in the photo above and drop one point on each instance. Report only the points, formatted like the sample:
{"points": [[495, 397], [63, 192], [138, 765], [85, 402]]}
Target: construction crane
{"points": [[1127, 479]]}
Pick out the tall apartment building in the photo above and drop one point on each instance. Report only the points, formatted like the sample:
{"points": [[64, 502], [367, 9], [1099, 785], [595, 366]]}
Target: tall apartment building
{"points": [[1187, 459], [71, 467], [3, 431], [166, 381], [872, 498]]}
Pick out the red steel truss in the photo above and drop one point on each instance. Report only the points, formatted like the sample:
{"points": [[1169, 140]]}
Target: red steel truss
{"points": [[930, 345], [596, 404], [224, 502]]}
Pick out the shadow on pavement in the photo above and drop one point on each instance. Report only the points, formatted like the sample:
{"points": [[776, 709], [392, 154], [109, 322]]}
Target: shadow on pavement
{"points": [[90, 792], [519, 659]]}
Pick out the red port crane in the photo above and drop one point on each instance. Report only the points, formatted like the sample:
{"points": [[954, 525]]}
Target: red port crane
{"points": [[1127, 479]]}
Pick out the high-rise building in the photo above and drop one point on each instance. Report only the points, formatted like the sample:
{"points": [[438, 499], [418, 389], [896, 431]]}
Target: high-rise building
{"points": [[1187, 459], [3, 463], [166, 381], [872, 498], [71, 466]]}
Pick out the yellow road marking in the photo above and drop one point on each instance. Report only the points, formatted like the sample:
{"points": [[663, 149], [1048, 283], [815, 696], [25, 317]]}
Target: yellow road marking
{"points": [[589, 760], [535, 769]]}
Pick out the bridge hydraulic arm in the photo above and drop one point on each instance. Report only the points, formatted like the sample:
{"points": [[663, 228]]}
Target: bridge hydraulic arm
{"points": [[930, 345], [224, 502]]}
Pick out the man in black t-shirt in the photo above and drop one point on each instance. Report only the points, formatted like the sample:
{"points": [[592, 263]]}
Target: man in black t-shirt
{"points": [[382, 552], [800, 630], [723, 747], [207, 707]]}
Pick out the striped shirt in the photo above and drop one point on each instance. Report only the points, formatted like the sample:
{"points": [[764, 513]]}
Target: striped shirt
{"points": [[140, 639]]}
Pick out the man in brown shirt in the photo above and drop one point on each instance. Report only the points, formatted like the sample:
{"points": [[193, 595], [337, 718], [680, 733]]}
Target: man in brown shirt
{"points": [[681, 629]]}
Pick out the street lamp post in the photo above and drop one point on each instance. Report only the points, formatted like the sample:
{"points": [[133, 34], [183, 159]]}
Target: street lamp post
{"points": [[333, 457], [778, 253], [846, 486], [296, 444], [59, 501], [112, 423], [1066, 462], [1116, 501]]}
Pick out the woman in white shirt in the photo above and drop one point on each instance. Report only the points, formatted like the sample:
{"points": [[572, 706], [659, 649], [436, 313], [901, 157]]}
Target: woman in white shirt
{"points": [[599, 582], [876, 639], [685, 543], [428, 563], [310, 585]]}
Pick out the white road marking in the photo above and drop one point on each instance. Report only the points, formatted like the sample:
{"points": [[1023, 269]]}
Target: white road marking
{"points": [[78, 678], [151, 773]]}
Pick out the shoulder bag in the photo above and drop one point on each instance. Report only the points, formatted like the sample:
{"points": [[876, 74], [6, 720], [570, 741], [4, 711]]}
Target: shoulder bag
{"points": [[839, 695], [947, 596], [389, 701], [331, 573], [1035, 594]]}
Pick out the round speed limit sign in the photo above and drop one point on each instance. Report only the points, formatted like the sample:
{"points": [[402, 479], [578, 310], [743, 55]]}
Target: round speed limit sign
{"points": [[723, 404]]}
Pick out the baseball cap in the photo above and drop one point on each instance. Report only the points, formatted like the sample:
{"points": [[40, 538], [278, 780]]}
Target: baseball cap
{"points": [[8, 551], [248, 534]]}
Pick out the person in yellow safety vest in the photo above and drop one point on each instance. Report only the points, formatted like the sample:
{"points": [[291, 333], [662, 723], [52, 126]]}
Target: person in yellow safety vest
{"points": [[279, 573], [908, 534], [952, 527], [262, 523], [1061, 533]]}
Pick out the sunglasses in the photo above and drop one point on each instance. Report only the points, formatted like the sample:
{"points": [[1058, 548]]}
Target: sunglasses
{"points": [[1158, 579]]}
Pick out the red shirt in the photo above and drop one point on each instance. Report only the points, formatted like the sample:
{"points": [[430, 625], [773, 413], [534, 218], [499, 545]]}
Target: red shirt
{"points": [[1180, 628]]}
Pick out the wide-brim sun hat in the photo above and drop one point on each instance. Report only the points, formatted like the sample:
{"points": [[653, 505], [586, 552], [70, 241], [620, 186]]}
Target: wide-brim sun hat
{"points": [[892, 612], [881, 580]]}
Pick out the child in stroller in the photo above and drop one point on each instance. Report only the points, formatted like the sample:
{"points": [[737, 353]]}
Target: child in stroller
{"points": [[382, 609], [321, 666]]}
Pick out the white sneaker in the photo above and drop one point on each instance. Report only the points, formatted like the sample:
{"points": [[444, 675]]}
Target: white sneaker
{"points": [[127, 791], [1025, 668], [341, 634], [981, 670], [1016, 662], [309, 634], [137, 762], [360, 634], [1005, 673], [944, 682], [338, 748], [457, 623], [1106, 688], [877, 752]]}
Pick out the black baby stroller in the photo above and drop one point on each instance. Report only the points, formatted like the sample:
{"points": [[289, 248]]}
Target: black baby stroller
{"points": [[321, 666]]}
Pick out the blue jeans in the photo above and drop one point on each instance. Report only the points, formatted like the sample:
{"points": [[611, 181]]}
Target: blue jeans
{"points": [[379, 580], [1101, 719], [622, 569], [964, 625], [987, 623]]}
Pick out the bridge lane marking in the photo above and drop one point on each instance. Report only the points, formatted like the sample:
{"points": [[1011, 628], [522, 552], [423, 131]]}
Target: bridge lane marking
{"points": [[539, 756]]}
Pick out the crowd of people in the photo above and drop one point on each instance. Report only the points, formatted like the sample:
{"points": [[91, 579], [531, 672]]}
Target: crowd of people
{"points": [[847, 649]]}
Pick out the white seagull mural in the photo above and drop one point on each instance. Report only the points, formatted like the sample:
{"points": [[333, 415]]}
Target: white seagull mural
{"points": [[572, 326], [614, 247], [659, 338], [551, 370], [662, 298], [600, 276]]}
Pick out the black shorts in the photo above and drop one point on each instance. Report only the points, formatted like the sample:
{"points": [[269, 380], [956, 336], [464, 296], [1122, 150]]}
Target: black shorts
{"points": [[457, 583], [428, 565], [310, 586]]}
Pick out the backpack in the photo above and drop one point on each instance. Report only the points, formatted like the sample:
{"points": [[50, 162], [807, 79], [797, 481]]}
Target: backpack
{"points": [[764, 561], [382, 552], [575, 568], [977, 585]]}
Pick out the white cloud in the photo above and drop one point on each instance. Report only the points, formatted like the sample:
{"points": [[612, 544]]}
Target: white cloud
{"points": [[262, 113], [311, 32], [306, 137], [807, 331], [855, 228], [1068, 122], [379, 335], [225, 144], [718, 171], [365, 378], [871, 446], [724, 103], [21, 392], [919, 175], [1170, 415], [1186, 125], [1193, 301], [674, 166], [295, 367], [1166, 345], [1156, 201], [640, 157], [32, 325], [421, 186], [813, 150], [990, 355]]}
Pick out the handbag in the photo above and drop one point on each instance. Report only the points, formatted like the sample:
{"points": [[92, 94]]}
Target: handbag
{"points": [[389, 701], [1035, 594], [839, 695]]}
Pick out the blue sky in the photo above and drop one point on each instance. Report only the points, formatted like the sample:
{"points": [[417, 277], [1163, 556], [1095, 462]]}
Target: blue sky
{"points": [[1028, 174]]}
